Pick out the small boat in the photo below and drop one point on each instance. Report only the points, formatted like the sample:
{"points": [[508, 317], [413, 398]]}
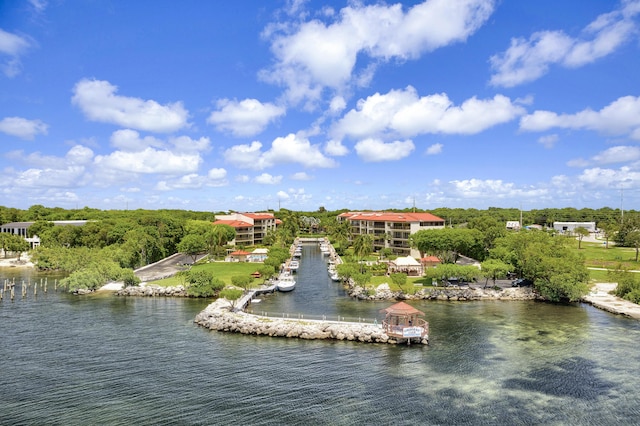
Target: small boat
{"points": [[324, 249], [294, 265], [334, 275], [285, 282]]}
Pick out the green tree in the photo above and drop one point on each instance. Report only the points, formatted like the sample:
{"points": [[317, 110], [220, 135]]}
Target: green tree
{"points": [[15, 244], [362, 247], [494, 269], [192, 245], [609, 230], [361, 279], [129, 278], [449, 243], [491, 229], [347, 270], [203, 284], [399, 279], [581, 232], [632, 239], [543, 258], [232, 295], [242, 281], [220, 235], [443, 272]]}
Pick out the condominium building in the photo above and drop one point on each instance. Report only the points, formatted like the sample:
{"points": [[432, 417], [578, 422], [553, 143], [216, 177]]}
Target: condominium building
{"points": [[251, 228], [391, 230]]}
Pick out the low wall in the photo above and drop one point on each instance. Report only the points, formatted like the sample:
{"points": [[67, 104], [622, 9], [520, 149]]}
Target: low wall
{"points": [[220, 317]]}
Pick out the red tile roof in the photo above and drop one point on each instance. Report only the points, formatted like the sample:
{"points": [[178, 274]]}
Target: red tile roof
{"points": [[400, 309], [240, 253], [259, 215], [234, 223], [391, 217]]}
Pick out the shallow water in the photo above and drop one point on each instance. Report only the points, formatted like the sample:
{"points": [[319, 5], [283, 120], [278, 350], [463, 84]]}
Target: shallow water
{"points": [[103, 359]]}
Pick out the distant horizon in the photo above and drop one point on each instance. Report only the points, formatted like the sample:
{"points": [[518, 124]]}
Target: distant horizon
{"points": [[299, 104]]}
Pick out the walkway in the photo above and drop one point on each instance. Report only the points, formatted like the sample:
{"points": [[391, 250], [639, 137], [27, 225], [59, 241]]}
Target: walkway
{"points": [[600, 298]]}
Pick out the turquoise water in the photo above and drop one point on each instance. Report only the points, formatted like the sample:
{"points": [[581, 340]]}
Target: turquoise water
{"points": [[102, 359]]}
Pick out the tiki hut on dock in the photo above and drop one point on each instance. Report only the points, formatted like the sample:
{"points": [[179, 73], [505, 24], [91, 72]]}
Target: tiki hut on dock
{"points": [[402, 322]]}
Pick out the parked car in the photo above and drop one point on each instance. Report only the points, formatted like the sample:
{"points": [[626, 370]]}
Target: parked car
{"points": [[522, 282]]}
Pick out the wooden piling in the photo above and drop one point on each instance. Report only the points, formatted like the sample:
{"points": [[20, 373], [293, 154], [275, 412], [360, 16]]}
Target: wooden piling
{"points": [[12, 293]]}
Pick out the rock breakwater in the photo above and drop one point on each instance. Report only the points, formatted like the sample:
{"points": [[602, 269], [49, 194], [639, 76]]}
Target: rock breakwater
{"points": [[220, 317]]}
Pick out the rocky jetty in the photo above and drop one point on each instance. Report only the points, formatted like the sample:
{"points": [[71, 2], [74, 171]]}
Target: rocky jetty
{"points": [[220, 316], [153, 291]]}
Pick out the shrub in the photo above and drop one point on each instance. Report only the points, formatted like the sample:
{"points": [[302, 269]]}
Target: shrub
{"points": [[202, 284]]}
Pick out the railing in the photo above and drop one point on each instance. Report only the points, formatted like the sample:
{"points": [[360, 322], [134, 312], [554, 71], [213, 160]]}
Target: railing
{"points": [[397, 330], [301, 316]]}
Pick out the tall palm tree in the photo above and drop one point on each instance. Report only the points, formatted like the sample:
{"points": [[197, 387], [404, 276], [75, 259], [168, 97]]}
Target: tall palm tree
{"points": [[362, 247]]}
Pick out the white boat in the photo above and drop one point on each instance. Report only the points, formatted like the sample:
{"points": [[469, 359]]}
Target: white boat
{"points": [[334, 275], [294, 265], [324, 249], [285, 282]]}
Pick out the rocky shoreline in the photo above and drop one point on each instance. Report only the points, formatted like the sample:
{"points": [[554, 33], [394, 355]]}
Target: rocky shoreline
{"points": [[383, 292], [153, 291]]}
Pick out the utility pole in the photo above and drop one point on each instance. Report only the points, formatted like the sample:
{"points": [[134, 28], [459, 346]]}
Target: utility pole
{"points": [[520, 215], [621, 205]]}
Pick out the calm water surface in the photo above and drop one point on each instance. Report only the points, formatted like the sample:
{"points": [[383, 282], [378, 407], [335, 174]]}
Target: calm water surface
{"points": [[102, 359]]}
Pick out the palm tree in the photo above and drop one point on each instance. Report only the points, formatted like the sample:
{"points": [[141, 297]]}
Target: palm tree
{"points": [[362, 247]]}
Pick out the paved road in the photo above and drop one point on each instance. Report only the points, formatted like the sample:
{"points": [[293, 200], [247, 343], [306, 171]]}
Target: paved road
{"points": [[165, 267]]}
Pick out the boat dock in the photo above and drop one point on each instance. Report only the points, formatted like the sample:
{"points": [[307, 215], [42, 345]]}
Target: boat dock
{"points": [[399, 326]]}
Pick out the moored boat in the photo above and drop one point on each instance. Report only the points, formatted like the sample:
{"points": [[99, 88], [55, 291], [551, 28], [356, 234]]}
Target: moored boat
{"points": [[293, 265], [285, 282]]}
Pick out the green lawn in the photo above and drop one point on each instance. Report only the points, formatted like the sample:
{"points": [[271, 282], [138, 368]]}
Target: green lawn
{"points": [[597, 256], [221, 270]]}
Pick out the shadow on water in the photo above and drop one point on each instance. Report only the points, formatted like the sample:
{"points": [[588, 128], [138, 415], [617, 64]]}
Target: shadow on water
{"points": [[563, 379]]}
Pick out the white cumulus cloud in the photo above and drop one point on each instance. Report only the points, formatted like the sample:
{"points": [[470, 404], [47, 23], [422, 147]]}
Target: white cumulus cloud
{"points": [[22, 127], [149, 161], [244, 118], [98, 101], [402, 113], [528, 60], [621, 117], [13, 46], [291, 149], [267, 179], [373, 150], [434, 149], [373, 32]]}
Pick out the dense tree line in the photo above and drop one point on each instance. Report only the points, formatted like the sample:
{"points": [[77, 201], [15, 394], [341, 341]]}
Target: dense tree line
{"points": [[127, 239]]}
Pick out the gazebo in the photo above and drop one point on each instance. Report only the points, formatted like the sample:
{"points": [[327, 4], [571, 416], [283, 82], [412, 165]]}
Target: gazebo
{"points": [[401, 322], [407, 264]]}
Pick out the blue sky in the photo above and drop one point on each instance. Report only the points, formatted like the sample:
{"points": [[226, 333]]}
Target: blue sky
{"points": [[253, 105]]}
